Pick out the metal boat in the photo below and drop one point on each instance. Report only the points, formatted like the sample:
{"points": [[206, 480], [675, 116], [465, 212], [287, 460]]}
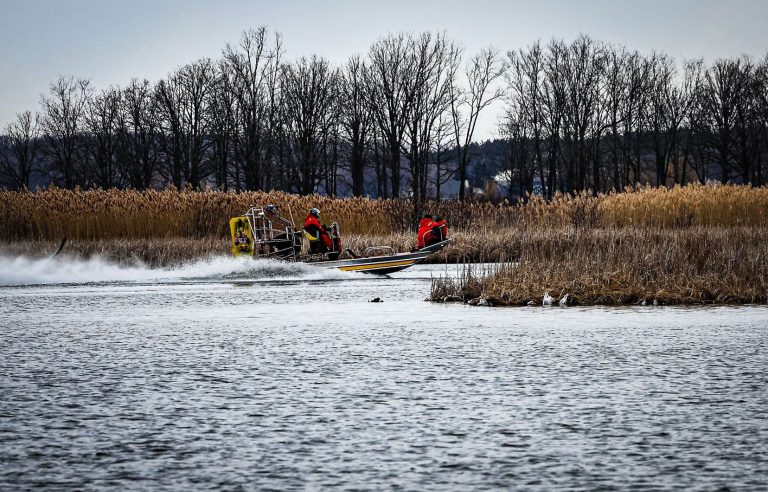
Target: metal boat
{"points": [[262, 232]]}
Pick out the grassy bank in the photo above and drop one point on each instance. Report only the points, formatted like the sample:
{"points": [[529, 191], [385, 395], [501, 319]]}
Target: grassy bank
{"points": [[698, 244], [128, 214], [693, 265]]}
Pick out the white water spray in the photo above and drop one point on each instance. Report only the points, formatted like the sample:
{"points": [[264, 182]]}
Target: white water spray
{"points": [[22, 270]]}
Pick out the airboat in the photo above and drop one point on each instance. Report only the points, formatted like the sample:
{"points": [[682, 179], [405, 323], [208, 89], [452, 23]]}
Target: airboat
{"points": [[262, 232]]}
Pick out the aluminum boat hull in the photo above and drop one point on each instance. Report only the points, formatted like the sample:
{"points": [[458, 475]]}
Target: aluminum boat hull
{"points": [[383, 265]]}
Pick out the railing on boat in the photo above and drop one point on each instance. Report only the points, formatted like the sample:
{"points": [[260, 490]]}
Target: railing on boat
{"points": [[274, 236]]}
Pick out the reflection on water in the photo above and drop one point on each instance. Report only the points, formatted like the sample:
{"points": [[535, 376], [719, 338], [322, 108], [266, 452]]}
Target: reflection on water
{"points": [[219, 381]]}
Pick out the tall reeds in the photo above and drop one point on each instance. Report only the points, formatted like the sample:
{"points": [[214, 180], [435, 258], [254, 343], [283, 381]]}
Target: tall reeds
{"points": [[692, 265], [697, 244], [129, 214]]}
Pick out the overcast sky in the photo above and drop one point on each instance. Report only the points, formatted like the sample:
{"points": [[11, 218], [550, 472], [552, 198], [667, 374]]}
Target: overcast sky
{"points": [[109, 42]]}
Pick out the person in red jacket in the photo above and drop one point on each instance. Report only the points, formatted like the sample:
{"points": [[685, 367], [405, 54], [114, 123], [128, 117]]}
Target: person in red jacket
{"points": [[322, 241], [425, 225], [438, 231]]}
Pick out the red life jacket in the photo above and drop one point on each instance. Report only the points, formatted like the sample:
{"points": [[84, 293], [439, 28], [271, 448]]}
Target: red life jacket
{"points": [[314, 228], [440, 230], [424, 227]]}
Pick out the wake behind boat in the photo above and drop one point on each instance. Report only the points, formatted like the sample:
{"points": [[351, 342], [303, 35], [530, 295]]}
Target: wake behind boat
{"points": [[264, 233]]}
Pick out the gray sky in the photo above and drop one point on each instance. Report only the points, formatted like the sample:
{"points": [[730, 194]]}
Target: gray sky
{"points": [[109, 41]]}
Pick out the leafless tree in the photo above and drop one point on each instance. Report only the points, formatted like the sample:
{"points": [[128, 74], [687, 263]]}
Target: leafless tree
{"points": [[580, 115], [222, 126], [183, 102], [443, 154], [391, 88], [554, 94], [581, 71], [524, 116], [482, 71], [723, 87], [309, 107], [748, 135], [61, 124], [436, 62], [140, 138], [102, 117], [355, 117], [514, 128], [255, 66], [20, 160]]}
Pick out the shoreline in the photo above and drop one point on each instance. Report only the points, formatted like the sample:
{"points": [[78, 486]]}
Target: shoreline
{"points": [[687, 266], [592, 266], [165, 252]]}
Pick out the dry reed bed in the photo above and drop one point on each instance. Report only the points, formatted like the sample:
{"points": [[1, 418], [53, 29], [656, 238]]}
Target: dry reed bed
{"points": [[695, 265], [163, 252], [117, 214], [129, 214]]}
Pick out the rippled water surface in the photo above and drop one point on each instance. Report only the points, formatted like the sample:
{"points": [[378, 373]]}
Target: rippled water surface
{"points": [[230, 375]]}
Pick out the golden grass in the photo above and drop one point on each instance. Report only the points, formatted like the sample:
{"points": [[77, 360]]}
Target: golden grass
{"points": [[129, 214], [696, 244], [110, 214], [646, 206], [694, 265]]}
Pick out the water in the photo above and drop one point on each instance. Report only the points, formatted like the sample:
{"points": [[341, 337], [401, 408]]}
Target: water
{"points": [[228, 374]]}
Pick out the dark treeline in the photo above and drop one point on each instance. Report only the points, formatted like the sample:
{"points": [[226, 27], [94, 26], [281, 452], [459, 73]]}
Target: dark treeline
{"points": [[400, 121], [381, 125], [587, 115]]}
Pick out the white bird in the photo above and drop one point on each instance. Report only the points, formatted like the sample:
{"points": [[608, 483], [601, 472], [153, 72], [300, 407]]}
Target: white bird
{"points": [[564, 300], [548, 299]]}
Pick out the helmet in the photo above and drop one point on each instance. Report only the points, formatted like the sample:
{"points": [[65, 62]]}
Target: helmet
{"points": [[271, 208], [314, 212]]}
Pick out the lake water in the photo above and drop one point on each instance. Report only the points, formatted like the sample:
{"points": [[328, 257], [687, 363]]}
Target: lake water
{"points": [[233, 375]]}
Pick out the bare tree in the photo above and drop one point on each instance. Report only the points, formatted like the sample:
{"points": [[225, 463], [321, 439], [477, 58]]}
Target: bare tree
{"points": [[183, 102], [255, 64], [140, 139], [436, 63], [102, 116], [722, 88], [309, 108], [761, 94], [582, 71], [355, 116], [391, 89], [20, 160], [525, 113], [61, 124], [580, 115], [748, 135], [443, 155], [222, 125], [519, 169], [626, 84], [482, 71]]}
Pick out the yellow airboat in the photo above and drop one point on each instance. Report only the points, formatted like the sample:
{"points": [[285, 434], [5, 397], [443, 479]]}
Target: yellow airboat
{"points": [[262, 232]]}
